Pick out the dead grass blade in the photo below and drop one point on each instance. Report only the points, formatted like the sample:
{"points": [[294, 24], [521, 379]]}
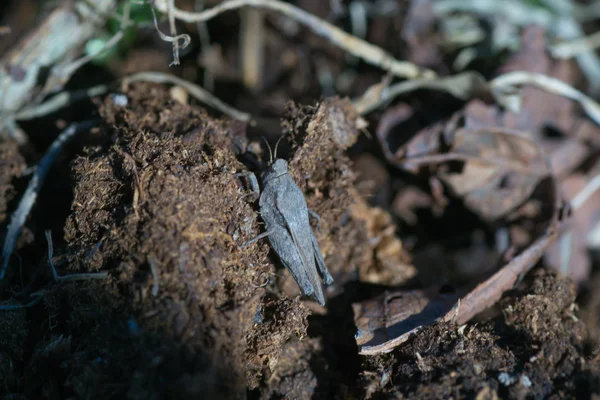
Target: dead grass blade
{"points": [[359, 48]]}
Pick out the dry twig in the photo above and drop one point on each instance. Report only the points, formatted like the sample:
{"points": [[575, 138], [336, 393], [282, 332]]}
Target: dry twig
{"points": [[462, 86], [569, 49], [503, 87], [59, 101], [465, 85], [64, 99]]}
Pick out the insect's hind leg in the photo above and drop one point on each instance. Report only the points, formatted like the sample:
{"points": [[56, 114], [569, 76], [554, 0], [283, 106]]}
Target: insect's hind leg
{"points": [[327, 278], [316, 217], [256, 239]]}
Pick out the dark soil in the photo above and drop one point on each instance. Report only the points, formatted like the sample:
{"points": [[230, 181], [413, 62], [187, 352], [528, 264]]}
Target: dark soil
{"points": [[186, 312], [12, 165], [534, 349], [152, 198]]}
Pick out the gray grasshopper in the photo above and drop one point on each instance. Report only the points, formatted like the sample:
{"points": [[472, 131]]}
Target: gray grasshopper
{"points": [[285, 213]]}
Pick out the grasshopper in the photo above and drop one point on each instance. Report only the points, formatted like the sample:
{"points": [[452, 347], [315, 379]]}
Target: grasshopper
{"points": [[285, 213]]}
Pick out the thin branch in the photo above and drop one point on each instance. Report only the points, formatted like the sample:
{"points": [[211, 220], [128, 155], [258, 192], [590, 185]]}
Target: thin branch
{"points": [[465, 85], [173, 28], [64, 99], [586, 193], [506, 83], [195, 90], [33, 188], [572, 48], [461, 86], [59, 101], [368, 52]]}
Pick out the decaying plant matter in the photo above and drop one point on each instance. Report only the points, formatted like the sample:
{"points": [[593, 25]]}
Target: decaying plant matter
{"points": [[450, 150]]}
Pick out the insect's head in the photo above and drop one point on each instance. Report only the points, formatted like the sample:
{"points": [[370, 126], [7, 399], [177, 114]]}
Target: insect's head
{"points": [[280, 166]]}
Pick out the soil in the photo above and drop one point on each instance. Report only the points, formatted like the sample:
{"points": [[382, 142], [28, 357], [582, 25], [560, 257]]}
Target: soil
{"points": [[534, 349], [186, 312], [154, 199]]}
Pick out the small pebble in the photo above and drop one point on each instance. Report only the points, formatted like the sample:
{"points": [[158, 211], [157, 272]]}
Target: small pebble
{"points": [[120, 100]]}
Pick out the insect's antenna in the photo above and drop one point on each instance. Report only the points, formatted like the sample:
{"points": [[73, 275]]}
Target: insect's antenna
{"points": [[277, 144], [270, 153]]}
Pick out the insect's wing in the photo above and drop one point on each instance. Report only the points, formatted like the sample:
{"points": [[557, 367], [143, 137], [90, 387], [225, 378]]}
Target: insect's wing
{"points": [[283, 244], [308, 261], [282, 241], [290, 202]]}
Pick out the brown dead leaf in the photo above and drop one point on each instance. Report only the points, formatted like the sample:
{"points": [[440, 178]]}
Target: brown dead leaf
{"points": [[408, 200], [390, 319], [499, 170], [392, 263]]}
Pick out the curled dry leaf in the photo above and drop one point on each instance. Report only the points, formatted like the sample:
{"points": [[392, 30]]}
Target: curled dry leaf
{"points": [[390, 319], [498, 168]]}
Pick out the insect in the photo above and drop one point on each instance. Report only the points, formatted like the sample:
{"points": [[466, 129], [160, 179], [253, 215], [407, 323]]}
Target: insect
{"points": [[285, 213]]}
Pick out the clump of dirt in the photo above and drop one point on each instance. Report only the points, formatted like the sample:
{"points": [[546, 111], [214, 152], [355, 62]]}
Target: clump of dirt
{"points": [[13, 331], [287, 318], [318, 136], [535, 348], [13, 325], [12, 164], [162, 210], [184, 309]]}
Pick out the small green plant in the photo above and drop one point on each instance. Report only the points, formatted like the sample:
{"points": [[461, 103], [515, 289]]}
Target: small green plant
{"points": [[139, 14]]}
